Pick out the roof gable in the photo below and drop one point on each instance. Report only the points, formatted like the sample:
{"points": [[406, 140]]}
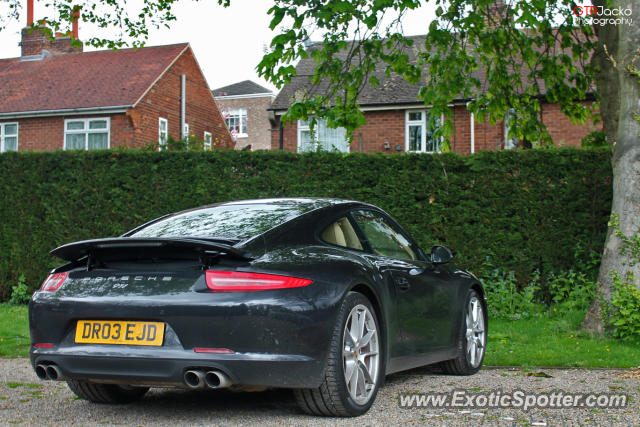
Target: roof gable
{"points": [[86, 80], [246, 87]]}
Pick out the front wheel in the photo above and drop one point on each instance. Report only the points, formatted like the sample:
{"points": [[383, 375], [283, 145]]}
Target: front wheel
{"points": [[472, 339], [354, 367]]}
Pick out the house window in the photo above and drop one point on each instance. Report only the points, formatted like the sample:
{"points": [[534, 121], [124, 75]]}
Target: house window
{"points": [[510, 142], [237, 122], [420, 130], [86, 134], [208, 141], [8, 137], [163, 133], [322, 138]]}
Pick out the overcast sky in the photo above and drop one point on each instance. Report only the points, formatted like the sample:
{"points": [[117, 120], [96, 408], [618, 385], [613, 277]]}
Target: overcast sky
{"points": [[228, 42]]}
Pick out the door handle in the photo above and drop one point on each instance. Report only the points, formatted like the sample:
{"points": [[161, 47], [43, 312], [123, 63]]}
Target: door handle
{"points": [[403, 284]]}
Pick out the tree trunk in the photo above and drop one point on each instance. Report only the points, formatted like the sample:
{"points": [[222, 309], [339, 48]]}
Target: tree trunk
{"points": [[626, 152]]}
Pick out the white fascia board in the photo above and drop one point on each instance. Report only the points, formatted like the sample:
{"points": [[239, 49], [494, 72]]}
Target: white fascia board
{"points": [[65, 112], [245, 96], [385, 107]]}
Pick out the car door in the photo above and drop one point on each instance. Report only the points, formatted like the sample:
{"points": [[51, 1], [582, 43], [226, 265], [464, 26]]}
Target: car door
{"points": [[424, 298]]}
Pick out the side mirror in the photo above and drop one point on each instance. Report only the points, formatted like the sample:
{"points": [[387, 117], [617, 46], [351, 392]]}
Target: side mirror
{"points": [[441, 254]]}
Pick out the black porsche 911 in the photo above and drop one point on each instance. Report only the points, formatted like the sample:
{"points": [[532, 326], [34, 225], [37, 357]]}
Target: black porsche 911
{"points": [[322, 296]]}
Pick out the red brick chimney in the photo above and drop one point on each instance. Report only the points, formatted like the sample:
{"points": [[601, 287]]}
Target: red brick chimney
{"points": [[35, 41], [74, 21], [29, 13], [496, 12]]}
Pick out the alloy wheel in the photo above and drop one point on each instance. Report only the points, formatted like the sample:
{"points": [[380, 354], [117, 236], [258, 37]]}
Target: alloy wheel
{"points": [[360, 354], [475, 334]]}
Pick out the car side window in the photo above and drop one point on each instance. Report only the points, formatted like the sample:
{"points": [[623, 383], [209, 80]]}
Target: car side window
{"points": [[341, 233], [383, 237]]}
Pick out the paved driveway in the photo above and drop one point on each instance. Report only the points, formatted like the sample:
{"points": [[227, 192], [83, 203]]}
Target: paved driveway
{"points": [[25, 400]]}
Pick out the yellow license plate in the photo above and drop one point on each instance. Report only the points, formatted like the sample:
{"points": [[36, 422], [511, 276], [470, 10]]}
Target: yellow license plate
{"points": [[119, 332]]}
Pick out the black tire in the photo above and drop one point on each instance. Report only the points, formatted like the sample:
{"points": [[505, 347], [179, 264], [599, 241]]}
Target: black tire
{"points": [[332, 398], [461, 365], [106, 393]]}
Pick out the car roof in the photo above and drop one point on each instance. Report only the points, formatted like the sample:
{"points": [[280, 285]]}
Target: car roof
{"points": [[306, 205], [317, 201]]}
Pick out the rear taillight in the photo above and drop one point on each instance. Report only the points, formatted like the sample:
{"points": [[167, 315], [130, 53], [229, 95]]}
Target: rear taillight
{"points": [[237, 281], [53, 282], [43, 345]]}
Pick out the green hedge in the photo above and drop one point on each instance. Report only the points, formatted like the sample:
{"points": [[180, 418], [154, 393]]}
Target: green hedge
{"points": [[528, 210]]}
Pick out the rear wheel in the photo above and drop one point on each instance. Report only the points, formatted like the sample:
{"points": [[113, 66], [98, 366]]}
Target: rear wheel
{"points": [[472, 339], [106, 393], [354, 367]]}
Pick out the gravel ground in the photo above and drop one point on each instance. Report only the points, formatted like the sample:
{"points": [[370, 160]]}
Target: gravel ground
{"points": [[26, 400]]}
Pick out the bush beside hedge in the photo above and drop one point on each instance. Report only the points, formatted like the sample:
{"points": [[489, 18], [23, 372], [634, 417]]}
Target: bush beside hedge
{"points": [[528, 210]]}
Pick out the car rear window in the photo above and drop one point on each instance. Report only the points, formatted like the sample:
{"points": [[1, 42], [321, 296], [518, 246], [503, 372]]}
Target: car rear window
{"points": [[233, 221]]}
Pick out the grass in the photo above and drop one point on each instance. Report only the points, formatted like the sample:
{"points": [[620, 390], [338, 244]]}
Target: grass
{"points": [[540, 341], [555, 341], [14, 331]]}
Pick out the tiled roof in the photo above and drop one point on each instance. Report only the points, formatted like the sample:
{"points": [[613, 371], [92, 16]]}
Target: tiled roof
{"points": [[393, 90], [97, 79], [246, 87]]}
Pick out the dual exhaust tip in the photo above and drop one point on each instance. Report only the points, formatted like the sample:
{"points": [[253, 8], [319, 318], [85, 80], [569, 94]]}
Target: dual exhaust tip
{"points": [[49, 372], [194, 378], [197, 379]]}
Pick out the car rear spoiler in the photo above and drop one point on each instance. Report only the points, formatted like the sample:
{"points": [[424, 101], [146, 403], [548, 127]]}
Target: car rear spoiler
{"points": [[78, 250]]}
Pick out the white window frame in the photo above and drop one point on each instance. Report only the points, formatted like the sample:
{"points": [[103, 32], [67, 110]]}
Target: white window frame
{"points": [[162, 141], [87, 131], [3, 135], [208, 141], [423, 123], [306, 128], [507, 128], [242, 114]]}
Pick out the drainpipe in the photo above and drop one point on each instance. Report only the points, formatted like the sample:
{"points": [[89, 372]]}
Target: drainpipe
{"points": [[473, 128], [473, 137], [281, 135], [183, 105]]}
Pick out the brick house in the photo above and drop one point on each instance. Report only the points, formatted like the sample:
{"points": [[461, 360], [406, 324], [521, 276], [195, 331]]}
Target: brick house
{"points": [[397, 120], [55, 96], [244, 106]]}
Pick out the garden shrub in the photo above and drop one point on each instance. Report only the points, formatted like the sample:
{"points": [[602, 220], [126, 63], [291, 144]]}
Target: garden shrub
{"points": [[527, 209], [20, 293], [622, 314], [555, 292]]}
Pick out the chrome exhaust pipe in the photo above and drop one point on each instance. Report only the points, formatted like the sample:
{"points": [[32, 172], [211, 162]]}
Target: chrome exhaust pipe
{"points": [[54, 373], [41, 372], [217, 379], [194, 379]]}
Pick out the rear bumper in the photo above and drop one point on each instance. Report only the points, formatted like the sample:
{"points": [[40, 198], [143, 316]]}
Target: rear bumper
{"points": [[278, 339], [167, 367]]}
